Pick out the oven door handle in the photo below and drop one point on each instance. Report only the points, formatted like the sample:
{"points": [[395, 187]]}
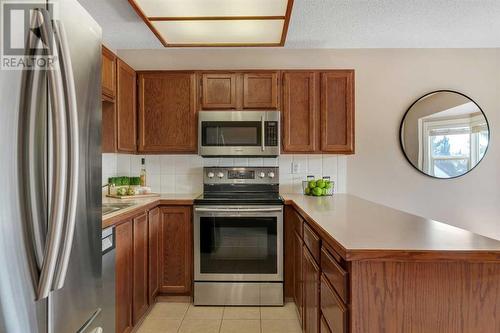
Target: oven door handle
{"points": [[238, 210]]}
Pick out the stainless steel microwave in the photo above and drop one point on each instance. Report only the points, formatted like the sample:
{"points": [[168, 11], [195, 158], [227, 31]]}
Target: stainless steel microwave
{"points": [[239, 133]]}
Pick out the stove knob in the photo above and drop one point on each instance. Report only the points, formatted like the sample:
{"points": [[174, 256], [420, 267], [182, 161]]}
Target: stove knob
{"points": [[271, 174], [262, 175], [220, 175], [210, 175]]}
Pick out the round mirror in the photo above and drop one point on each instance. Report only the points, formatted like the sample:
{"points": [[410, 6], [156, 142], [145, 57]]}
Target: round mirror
{"points": [[444, 134]]}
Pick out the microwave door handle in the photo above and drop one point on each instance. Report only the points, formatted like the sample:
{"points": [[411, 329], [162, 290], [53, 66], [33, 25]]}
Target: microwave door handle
{"points": [[73, 151], [263, 134]]}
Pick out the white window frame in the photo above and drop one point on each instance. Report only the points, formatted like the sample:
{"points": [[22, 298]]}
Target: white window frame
{"points": [[426, 126]]}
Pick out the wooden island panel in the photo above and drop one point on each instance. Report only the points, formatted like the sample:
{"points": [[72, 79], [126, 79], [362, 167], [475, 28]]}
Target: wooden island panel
{"points": [[444, 280], [445, 297]]}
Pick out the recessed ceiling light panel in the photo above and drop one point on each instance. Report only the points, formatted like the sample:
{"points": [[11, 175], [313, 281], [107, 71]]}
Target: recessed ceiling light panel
{"points": [[221, 31], [216, 22], [207, 8]]}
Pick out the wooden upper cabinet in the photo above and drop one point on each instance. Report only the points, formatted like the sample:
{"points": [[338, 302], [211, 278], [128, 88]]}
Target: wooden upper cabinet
{"points": [[123, 277], [167, 112], [176, 250], [337, 111], [126, 108], [154, 253], [218, 91], [260, 90], [301, 127], [108, 127], [140, 281], [108, 74]]}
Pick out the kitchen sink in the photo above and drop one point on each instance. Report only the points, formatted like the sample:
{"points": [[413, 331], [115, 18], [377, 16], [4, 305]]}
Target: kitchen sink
{"points": [[114, 207]]}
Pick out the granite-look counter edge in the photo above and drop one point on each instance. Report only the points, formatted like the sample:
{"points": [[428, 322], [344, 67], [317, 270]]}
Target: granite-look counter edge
{"points": [[138, 205]]}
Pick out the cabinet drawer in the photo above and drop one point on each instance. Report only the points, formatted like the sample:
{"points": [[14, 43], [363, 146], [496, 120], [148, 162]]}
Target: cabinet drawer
{"points": [[334, 273], [312, 242], [324, 328], [334, 311]]}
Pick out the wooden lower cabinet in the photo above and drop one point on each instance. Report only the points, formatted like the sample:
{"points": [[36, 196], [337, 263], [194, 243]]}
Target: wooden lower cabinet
{"points": [[323, 326], [333, 310], [154, 253], [311, 273], [123, 279], [297, 275], [176, 252], [140, 267]]}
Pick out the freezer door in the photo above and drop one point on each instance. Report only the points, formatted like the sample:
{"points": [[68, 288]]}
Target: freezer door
{"points": [[72, 306], [19, 311]]}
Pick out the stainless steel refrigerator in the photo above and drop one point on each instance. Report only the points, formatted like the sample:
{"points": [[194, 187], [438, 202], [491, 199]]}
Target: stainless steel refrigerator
{"points": [[50, 193]]}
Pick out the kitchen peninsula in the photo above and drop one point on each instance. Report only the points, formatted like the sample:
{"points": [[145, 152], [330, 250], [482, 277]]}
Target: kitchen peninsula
{"points": [[352, 265]]}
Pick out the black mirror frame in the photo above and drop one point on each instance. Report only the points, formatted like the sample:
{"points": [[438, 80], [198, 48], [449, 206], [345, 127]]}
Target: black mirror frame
{"points": [[401, 146]]}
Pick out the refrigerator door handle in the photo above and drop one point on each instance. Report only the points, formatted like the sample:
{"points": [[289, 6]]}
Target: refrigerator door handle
{"points": [[58, 161], [32, 169], [73, 158]]}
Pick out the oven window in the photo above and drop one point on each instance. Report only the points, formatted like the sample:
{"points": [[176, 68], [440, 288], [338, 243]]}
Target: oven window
{"points": [[238, 245], [231, 133]]}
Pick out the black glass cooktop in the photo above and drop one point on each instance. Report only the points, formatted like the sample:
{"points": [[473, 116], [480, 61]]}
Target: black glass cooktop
{"points": [[248, 198]]}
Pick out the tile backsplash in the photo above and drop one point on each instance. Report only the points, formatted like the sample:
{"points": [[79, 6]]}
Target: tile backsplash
{"points": [[184, 173]]}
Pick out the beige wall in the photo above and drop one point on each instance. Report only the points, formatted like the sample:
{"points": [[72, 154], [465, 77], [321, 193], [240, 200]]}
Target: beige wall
{"points": [[387, 82]]}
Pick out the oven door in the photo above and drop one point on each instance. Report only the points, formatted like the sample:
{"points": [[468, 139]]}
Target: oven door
{"points": [[239, 133], [238, 243]]}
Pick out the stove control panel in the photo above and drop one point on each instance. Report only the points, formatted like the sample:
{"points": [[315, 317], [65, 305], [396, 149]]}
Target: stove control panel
{"points": [[241, 175]]}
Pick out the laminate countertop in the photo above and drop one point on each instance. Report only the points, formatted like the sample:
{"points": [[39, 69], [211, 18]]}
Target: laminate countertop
{"points": [[361, 229], [172, 199]]}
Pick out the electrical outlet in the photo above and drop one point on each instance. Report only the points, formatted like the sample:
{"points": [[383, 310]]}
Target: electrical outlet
{"points": [[295, 167]]}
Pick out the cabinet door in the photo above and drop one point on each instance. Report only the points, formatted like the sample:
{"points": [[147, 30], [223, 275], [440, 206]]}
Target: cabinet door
{"points": [[311, 293], [123, 277], [289, 252], [301, 127], [108, 71], [333, 309], [298, 276], [140, 284], [126, 108], [176, 250], [154, 253], [167, 112], [108, 127], [260, 90], [337, 112], [218, 91]]}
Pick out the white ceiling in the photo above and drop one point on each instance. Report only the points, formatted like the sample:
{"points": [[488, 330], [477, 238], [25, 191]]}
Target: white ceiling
{"points": [[342, 24]]}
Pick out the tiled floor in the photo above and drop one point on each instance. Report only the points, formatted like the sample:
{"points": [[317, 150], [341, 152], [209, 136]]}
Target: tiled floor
{"points": [[187, 318]]}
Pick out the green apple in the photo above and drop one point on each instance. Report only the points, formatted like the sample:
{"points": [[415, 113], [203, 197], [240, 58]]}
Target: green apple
{"points": [[312, 184], [317, 192], [321, 183]]}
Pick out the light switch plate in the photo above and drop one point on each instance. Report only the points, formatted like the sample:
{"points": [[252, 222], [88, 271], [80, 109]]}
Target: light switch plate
{"points": [[295, 167]]}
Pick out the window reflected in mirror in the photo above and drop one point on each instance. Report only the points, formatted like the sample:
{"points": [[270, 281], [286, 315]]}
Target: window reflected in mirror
{"points": [[444, 134]]}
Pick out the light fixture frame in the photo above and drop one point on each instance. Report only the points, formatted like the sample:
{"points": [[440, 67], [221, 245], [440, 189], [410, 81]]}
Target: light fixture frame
{"points": [[150, 19]]}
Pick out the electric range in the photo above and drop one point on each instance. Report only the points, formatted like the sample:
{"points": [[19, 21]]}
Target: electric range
{"points": [[238, 237]]}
